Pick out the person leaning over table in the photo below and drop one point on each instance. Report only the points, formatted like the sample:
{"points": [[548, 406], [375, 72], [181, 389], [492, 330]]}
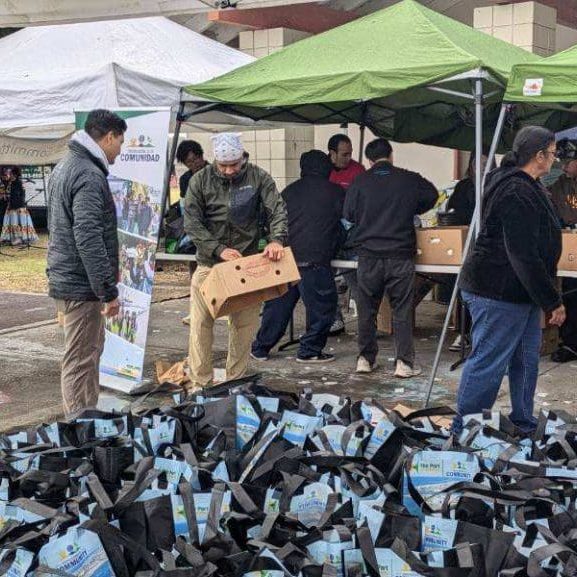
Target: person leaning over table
{"points": [[508, 279], [221, 216]]}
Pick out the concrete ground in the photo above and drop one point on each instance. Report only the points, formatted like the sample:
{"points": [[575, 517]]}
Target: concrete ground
{"points": [[31, 347]]}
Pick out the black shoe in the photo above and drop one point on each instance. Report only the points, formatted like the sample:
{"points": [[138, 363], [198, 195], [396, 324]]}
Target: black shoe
{"points": [[322, 358], [563, 355]]}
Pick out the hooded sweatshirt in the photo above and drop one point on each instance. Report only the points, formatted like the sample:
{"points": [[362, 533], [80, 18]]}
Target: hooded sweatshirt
{"points": [[314, 207]]}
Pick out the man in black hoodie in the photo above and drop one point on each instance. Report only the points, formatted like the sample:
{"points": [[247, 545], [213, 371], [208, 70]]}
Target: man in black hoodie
{"points": [[314, 207], [382, 204]]}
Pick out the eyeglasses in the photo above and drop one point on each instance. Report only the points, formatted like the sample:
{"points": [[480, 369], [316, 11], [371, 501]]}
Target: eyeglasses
{"points": [[552, 152]]}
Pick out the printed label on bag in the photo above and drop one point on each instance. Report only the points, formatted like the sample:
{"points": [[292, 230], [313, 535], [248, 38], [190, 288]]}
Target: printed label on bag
{"points": [[438, 533], [298, 427], [174, 469], [383, 430], [104, 428], [431, 472], [247, 422], [330, 553], [334, 435], [374, 518], [310, 506], [372, 414], [78, 552], [12, 512], [21, 564], [270, 404], [390, 565]]}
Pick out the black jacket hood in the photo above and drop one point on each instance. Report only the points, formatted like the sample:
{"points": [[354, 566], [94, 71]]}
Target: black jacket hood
{"points": [[316, 163]]}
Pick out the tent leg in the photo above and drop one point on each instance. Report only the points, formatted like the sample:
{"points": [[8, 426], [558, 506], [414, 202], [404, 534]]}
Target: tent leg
{"points": [[478, 150], [165, 203], [361, 143], [476, 214], [473, 229], [495, 141]]}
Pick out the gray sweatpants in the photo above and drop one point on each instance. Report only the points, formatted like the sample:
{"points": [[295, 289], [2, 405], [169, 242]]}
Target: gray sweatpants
{"points": [[395, 278]]}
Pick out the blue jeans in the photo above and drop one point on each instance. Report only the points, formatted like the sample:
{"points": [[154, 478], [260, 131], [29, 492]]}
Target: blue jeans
{"points": [[506, 339], [319, 293]]}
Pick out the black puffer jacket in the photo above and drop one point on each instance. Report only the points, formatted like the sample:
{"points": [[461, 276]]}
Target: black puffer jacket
{"points": [[314, 207], [516, 253], [83, 247]]}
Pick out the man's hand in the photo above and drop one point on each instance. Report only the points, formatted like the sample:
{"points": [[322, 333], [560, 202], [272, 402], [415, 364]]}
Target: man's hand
{"points": [[111, 309], [230, 254], [274, 251], [558, 316]]}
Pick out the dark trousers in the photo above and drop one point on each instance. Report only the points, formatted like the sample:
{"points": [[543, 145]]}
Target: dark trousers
{"points": [[319, 293], [395, 278], [568, 330], [506, 339]]}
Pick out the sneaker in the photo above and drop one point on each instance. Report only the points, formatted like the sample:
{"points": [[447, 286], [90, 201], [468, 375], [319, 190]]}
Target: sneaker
{"points": [[322, 358], [405, 371], [456, 346], [337, 327], [258, 356], [186, 320], [364, 366], [563, 355]]}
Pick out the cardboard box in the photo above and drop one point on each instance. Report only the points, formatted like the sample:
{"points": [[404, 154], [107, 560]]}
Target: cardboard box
{"points": [[568, 260], [550, 340], [236, 285], [550, 333], [441, 245]]}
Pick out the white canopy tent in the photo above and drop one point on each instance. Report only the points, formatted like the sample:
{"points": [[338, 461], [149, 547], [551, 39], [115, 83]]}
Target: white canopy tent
{"points": [[48, 72]]}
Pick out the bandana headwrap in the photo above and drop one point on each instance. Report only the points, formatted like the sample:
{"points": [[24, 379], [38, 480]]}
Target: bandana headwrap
{"points": [[227, 147]]}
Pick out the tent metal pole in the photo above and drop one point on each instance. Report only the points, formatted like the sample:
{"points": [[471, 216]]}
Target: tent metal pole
{"points": [[473, 229], [478, 151], [494, 144], [171, 156], [495, 141], [362, 143]]}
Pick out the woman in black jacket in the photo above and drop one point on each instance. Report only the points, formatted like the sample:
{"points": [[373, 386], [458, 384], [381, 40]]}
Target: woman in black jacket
{"points": [[509, 278], [17, 227]]}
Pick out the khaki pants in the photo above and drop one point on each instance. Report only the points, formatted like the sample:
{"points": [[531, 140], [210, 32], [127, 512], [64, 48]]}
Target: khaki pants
{"points": [[241, 331], [83, 344]]}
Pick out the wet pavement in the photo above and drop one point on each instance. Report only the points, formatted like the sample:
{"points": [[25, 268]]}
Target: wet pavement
{"points": [[30, 356]]}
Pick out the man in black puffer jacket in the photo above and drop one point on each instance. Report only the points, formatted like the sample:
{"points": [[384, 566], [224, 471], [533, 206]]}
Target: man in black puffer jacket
{"points": [[83, 252], [314, 208]]}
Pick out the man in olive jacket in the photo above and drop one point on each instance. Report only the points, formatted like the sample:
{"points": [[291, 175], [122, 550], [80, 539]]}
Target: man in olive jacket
{"points": [[221, 215], [83, 252]]}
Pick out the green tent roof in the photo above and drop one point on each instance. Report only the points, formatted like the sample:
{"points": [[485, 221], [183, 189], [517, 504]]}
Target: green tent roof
{"points": [[375, 71], [545, 92], [552, 80]]}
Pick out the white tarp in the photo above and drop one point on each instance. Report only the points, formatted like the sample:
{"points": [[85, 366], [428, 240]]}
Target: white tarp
{"points": [[35, 12], [48, 72]]}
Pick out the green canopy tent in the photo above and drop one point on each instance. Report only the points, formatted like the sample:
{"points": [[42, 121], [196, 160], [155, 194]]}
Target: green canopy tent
{"points": [[545, 92], [406, 72]]}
